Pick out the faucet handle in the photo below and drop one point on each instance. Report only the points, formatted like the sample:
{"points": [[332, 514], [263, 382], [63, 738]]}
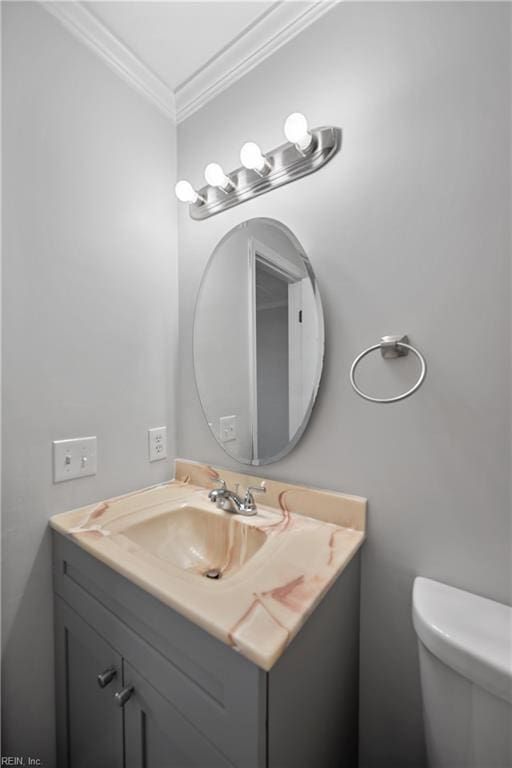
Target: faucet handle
{"points": [[261, 488], [216, 493], [249, 500]]}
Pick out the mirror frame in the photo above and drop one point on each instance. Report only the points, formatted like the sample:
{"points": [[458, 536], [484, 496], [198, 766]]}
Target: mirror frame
{"points": [[321, 340]]}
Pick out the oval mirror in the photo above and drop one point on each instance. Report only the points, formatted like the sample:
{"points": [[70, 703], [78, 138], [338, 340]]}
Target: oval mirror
{"points": [[258, 341]]}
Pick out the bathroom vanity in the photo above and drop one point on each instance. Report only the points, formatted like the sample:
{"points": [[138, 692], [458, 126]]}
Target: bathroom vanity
{"points": [[161, 666]]}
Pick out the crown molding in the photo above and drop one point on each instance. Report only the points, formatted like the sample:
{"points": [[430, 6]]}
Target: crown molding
{"points": [[281, 24], [274, 29], [89, 30]]}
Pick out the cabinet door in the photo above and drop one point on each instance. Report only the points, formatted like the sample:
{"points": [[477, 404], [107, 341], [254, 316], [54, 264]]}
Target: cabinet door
{"points": [[158, 736], [89, 720]]}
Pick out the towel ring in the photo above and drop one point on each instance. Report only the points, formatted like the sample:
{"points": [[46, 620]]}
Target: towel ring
{"points": [[390, 347]]}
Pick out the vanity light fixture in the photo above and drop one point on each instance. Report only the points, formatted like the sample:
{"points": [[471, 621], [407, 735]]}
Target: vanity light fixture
{"points": [[306, 151], [296, 130], [215, 176], [253, 159], [186, 193]]}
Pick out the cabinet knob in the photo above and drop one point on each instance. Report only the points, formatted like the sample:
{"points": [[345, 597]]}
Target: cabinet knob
{"points": [[106, 677], [123, 696]]}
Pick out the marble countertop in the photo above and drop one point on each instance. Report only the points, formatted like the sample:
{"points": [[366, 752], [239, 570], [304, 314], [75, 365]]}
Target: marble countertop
{"points": [[309, 538]]}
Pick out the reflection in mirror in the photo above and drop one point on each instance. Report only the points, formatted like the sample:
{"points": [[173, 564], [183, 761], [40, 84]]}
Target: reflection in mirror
{"points": [[258, 341]]}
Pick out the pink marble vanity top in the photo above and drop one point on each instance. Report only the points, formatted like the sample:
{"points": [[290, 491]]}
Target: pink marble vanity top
{"points": [[275, 566]]}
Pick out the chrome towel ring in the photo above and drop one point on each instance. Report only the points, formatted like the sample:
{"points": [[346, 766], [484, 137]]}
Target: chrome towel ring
{"points": [[390, 347]]}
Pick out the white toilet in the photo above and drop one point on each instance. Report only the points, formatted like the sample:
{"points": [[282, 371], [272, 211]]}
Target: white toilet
{"points": [[465, 646]]}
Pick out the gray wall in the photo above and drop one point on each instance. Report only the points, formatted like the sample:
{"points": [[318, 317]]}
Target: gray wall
{"points": [[408, 231], [89, 318]]}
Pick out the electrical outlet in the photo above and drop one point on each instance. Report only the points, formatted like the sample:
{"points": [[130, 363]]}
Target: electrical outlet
{"points": [[157, 442], [74, 458], [227, 428]]}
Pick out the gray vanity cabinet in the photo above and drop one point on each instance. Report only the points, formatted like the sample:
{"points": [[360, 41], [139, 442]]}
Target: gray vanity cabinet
{"points": [[156, 736], [99, 730], [92, 732], [190, 700]]}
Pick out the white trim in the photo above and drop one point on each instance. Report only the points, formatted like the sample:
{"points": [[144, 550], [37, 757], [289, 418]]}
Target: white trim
{"points": [[276, 263], [295, 360], [251, 342], [87, 28], [280, 25]]}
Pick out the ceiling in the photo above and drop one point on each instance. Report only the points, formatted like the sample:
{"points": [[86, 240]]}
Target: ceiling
{"points": [[180, 54], [176, 39]]}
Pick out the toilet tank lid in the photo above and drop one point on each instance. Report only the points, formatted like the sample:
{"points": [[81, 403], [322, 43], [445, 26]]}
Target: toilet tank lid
{"points": [[471, 634]]}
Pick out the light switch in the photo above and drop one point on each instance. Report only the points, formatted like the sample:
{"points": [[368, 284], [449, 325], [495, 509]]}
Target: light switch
{"points": [[157, 443], [74, 458], [227, 428]]}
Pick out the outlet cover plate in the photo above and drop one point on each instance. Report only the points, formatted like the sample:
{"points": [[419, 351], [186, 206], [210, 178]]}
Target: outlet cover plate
{"points": [[157, 443], [74, 458], [227, 428]]}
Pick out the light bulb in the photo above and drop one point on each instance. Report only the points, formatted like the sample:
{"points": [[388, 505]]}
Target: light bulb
{"points": [[252, 158], [215, 176], [186, 192], [296, 131]]}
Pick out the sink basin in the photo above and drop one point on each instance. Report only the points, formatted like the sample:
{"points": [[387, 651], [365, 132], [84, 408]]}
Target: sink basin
{"points": [[192, 539]]}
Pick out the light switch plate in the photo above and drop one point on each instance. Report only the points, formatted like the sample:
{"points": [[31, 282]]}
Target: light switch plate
{"points": [[74, 458], [227, 428], [157, 443]]}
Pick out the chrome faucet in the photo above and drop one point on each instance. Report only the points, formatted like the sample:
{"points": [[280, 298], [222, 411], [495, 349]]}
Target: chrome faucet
{"points": [[230, 501]]}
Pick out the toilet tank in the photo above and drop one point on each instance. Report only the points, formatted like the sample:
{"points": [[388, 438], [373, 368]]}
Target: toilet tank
{"points": [[465, 649]]}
